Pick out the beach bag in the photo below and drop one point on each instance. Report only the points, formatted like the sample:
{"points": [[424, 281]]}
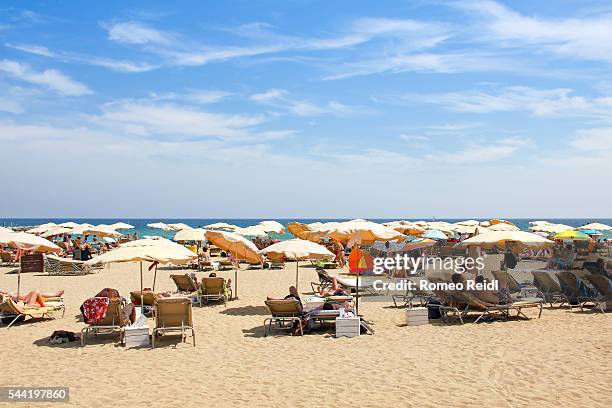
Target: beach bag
{"points": [[433, 312], [62, 336]]}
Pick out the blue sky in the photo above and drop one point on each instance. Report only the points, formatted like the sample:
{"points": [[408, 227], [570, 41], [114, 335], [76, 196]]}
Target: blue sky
{"points": [[306, 109]]}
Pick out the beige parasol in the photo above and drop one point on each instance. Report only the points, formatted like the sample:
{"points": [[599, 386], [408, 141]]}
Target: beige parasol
{"points": [[298, 249]]}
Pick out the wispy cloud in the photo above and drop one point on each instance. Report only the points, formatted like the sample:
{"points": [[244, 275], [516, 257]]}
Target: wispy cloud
{"points": [[134, 32], [480, 153], [198, 96], [539, 102], [49, 78], [596, 139], [580, 38], [281, 99], [114, 64]]}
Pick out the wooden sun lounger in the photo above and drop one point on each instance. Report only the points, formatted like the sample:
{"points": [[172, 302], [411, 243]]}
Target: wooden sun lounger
{"points": [[173, 315], [571, 286], [11, 312], [283, 311], [410, 296], [325, 281], [113, 321]]}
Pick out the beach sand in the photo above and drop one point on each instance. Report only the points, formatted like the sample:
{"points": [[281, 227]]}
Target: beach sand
{"points": [[563, 359]]}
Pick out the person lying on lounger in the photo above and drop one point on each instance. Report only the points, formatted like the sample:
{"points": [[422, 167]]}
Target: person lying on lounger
{"points": [[334, 291], [34, 298], [293, 294]]}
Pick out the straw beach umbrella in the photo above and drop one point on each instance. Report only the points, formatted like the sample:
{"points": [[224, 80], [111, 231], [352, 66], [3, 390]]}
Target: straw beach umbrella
{"points": [[364, 232], [298, 250], [241, 247], [27, 242]]}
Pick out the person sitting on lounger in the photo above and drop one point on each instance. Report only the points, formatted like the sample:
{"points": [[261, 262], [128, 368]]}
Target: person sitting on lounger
{"points": [[34, 298], [334, 291], [488, 296], [293, 294], [228, 284]]}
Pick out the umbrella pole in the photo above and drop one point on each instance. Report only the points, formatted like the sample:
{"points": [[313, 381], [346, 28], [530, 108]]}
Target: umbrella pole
{"points": [[141, 292], [154, 278], [19, 278], [236, 276], [297, 272]]}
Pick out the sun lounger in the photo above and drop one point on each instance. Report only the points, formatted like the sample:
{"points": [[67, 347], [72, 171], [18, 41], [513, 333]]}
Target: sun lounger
{"points": [[603, 286], [148, 300], [11, 312], [365, 285], [173, 315], [325, 264], [225, 264], [112, 321], [411, 296], [215, 288], [516, 288], [55, 265], [325, 281], [184, 284], [283, 311], [550, 288], [484, 309], [575, 289], [8, 259], [275, 264]]}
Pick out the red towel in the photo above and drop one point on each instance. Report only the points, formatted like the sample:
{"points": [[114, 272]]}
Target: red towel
{"points": [[94, 309]]}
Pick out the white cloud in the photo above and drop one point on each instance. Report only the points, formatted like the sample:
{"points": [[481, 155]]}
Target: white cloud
{"points": [[32, 49], [49, 78], [414, 138], [198, 96], [540, 102], [281, 99], [480, 153], [582, 38], [597, 139], [133, 32]]}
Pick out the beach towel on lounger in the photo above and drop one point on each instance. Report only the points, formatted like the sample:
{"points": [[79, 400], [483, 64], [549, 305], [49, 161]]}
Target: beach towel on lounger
{"points": [[94, 309]]}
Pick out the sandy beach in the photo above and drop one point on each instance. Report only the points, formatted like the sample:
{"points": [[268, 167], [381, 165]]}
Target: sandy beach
{"points": [[563, 359]]}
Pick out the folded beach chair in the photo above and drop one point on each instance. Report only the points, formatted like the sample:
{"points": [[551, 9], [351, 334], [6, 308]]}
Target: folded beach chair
{"points": [[10, 312], [184, 284], [603, 286], [325, 281], [215, 288], [112, 321], [550, 288], [173, 315], [285, 313]]}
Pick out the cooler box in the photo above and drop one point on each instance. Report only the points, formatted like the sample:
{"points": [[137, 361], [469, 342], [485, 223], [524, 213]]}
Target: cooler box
{"points": [[137, 337], [347, 326], [417, 316]]}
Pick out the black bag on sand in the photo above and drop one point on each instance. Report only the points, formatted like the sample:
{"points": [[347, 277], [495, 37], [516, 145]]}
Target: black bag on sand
{"points": [[433, 311]]}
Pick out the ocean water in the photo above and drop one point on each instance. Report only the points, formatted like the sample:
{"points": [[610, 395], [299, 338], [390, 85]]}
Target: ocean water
{"points": [[140, 225]]}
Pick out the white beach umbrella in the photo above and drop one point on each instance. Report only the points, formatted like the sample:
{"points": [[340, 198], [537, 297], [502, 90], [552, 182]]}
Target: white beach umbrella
{"points": [[102, 231], [57, 230], [298, 249], [272, 226], [253, 231], [195, 234], [160, 225], [42, 228], [68, 224], [179, 226], [499, 238], [596, 226], [121, 225], [551, 228], [4, 229], [27, 242], [536, 223], [221, 225], [502, 226], [469, 223]]}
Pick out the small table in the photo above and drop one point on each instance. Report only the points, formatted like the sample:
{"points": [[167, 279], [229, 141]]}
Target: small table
{"points": [[348, 326]]}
